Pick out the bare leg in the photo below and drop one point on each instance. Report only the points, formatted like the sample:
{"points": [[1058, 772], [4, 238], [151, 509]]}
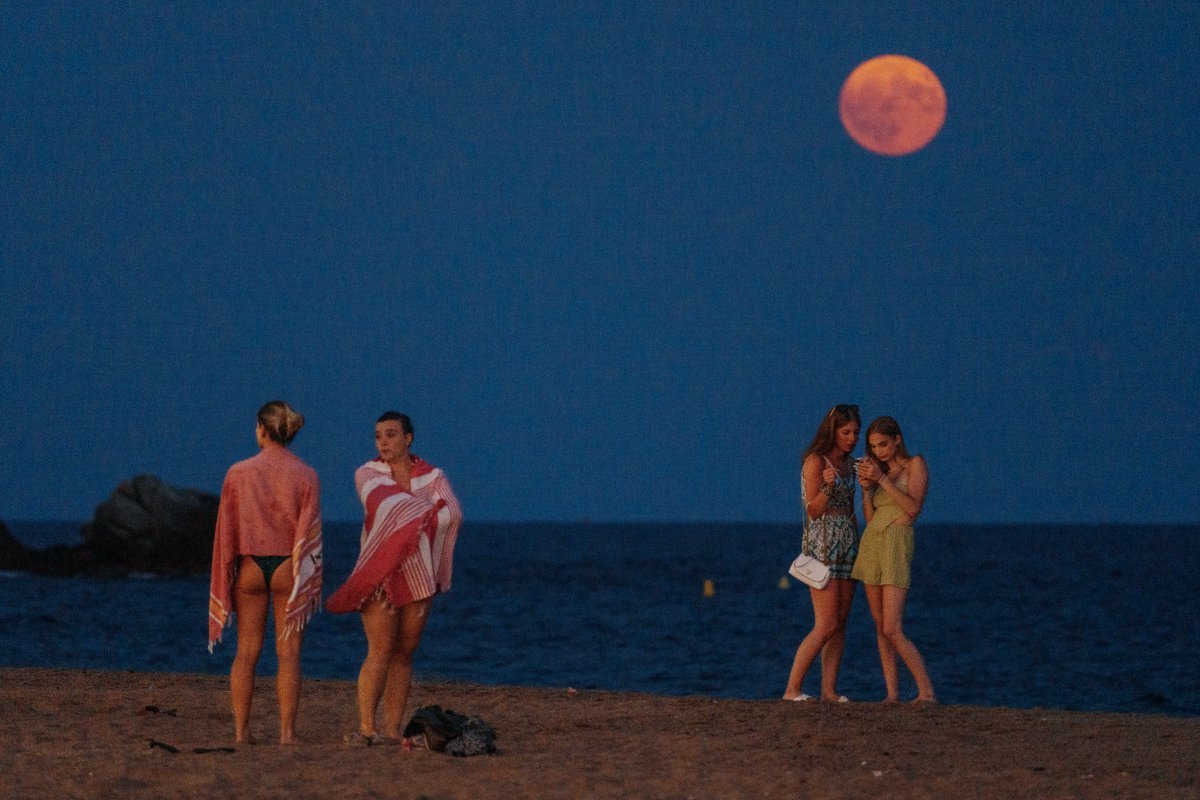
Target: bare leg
{"points": [[825, 603], [399, 679], [382, 627], [250, 602], [287, 682], [887, 653], [831, 653], [893, 613]]}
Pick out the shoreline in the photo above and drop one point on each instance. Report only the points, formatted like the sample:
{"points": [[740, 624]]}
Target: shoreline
{"points": [[83, 733]]}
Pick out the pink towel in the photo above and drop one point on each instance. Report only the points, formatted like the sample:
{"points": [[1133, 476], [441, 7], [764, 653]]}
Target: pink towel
{"points": [[270, 505]]}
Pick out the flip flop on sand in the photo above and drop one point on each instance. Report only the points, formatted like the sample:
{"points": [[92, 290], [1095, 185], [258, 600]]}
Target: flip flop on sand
{"points": [[360, 739], [383, 740]]}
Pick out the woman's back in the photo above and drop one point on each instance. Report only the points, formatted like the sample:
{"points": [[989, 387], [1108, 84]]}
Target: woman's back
{"points": [[263, 499]]}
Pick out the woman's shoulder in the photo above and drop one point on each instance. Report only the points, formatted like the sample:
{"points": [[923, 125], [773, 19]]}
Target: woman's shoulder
{"points": [[278, 459], [916, 466], [373, 467], [370, 474], [304, 468], [245, 466], [421, 466]]}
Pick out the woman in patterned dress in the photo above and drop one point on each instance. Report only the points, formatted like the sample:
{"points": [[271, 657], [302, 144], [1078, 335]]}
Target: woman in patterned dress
{"points": [[830, 536]]}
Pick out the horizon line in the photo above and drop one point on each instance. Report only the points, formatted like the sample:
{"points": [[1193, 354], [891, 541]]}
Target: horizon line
{"points": [[704, 522]]}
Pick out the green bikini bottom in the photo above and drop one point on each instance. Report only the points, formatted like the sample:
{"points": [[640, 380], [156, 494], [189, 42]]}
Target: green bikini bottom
{"points": [[268, 565]]}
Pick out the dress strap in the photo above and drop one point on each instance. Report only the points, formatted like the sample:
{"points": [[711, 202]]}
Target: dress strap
{"points": [[834, 468]]}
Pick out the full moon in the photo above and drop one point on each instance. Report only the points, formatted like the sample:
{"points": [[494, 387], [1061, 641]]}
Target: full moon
{"points": [[892, 105]]}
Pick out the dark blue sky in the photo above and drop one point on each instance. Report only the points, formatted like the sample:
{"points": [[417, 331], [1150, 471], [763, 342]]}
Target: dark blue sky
{"points": [[616, 260]]}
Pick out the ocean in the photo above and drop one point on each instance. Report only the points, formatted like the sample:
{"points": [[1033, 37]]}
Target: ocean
{"points": [[1091, 618]]}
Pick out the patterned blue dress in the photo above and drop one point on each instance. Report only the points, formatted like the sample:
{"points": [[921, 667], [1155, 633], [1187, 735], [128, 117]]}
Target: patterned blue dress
{"points": [[833, 540]]}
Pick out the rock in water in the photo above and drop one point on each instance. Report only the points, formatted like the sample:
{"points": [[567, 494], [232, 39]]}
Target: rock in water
{"points": [[144, 526], [149, 526], [14, 555]]}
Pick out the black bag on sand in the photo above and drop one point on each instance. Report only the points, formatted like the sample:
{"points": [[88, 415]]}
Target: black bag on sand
{"points": [[450, 732]]}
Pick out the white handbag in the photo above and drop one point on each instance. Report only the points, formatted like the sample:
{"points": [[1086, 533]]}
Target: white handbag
{"points": [[809, 570]]}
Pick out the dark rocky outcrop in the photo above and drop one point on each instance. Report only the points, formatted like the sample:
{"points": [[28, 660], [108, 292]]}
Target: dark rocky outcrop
{"points": [[144, 526], [13, 554]]}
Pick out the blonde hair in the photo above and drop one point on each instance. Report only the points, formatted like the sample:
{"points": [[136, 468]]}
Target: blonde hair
{"points": [[280, 421]]}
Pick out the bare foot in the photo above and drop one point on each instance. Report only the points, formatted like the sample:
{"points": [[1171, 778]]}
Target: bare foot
{"points": [[289, 740], [246, 738], [925, 701], [889, 701]]}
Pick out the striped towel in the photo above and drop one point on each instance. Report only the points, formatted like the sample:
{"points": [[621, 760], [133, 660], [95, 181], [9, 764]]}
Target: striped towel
{"points": [[407, 538], [307, 574], [273, 497]]}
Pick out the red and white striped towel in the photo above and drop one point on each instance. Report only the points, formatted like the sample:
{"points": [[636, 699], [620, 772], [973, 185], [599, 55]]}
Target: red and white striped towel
{"points": [[407, 538]]}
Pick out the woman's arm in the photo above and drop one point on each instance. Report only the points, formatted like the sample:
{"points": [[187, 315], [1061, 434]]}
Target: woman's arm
{"points": [[912, 500], [816, 502], [868, 482], [446, 494], [308, 521], [868, 501]]}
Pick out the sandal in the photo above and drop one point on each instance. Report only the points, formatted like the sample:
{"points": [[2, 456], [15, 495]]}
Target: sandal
{"points": [[360, 739], [383, 740]]}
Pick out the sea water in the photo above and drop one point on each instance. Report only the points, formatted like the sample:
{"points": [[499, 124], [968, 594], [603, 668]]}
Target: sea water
{"points": [[1086, 618]]}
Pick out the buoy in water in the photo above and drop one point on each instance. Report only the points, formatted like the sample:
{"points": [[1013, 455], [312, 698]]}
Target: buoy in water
{"points": [[784, 583], [709, 589]]}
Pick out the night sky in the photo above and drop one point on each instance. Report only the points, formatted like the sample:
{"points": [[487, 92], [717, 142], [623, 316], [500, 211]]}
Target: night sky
{"points": [[616, 260]]}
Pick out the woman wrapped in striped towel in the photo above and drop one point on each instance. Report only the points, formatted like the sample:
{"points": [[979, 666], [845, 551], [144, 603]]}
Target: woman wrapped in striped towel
{"points": [[408, 535], [267, 550]]}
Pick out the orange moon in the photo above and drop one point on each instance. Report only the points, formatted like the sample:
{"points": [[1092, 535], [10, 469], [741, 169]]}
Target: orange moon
{"points": [[892, 105]]}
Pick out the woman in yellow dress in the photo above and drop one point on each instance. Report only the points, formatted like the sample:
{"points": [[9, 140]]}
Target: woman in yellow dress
{"points": [[894, 485]]}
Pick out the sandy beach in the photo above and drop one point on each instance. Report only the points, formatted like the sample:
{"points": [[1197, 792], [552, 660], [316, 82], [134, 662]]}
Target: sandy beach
{"points": [[112, 734]]}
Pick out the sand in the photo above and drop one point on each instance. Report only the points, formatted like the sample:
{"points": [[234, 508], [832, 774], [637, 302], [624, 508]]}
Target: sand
{"points": [[88, 734]]}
